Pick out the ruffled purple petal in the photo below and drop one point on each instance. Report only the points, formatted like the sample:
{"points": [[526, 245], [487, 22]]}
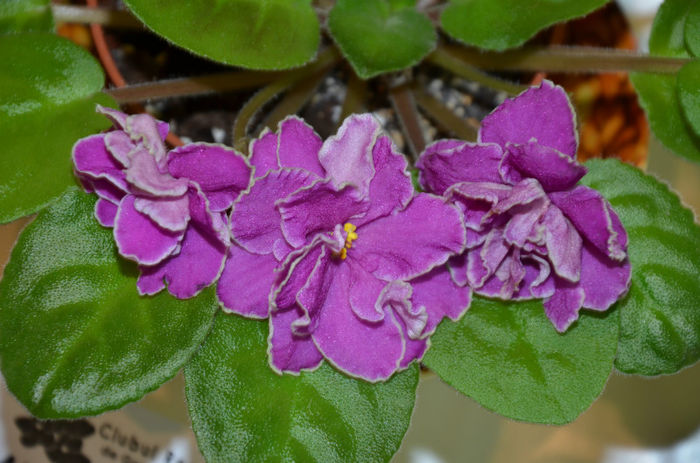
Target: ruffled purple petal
{"points": [[255, 221], [139, 238], [563, 245], [318, 209], [477, 201], [299, 146], [347, 157], [538, 281], [396, 296], [554, 170], [440, 297], [507, 278], [313, 294], [144, 174], [414, 348], [264, 153], [410, 243], [105, 212], [117, 117], [364, 293], [542, 113], [119, 145], [244, 285], [196, 266], [221, 172], [371, 351], [390, 189], [523, 221], [563, 306], [212, 224], [92, 159], [603, 281], [447, 162], [143, 129], [287, 352], [594, 219], [483, 261], [170, 213], [105, 189], [292, 275]]}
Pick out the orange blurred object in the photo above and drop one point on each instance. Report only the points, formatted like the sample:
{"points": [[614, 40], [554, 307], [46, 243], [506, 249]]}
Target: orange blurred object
{"points": [[77, 33], [612, 124]]}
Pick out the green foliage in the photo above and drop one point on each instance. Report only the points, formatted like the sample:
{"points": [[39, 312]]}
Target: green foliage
{"points": [[692, 29], [77, 339], [242, 411], [25, 16], [48, 91], [256, 34], [508, 357], [502, 24], [378, 36], [660, 317], [688, 88], [658, 94]]}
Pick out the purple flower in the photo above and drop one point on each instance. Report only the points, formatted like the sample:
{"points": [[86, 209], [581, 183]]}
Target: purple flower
{"points": [[333, 234], [167, 208], [531, 231]]}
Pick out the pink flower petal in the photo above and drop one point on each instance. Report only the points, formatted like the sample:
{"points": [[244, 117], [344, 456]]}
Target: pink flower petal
{"points": [[554, 170], [287, 352], [170, 213], [143, 173], [264, 153], [105, 212], [299, 146], [440, 297], [139, 238], [563, 306]]}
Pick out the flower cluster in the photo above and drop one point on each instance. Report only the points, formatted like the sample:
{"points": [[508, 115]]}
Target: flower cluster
{"points": [[329, 242], [532, 232]]}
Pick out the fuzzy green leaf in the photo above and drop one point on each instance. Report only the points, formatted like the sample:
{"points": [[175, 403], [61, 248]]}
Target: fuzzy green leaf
{"points": [[77, 339], [242, 411], [688, 87], [502, 24], [660, 317], [692, 29], [25, 16], [48, 91], [657, 92], [510, 359], [379, 36], [256, 34]]}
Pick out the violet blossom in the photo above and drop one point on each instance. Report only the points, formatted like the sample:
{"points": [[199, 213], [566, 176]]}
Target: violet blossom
{"points": [[532, 232], [332, 245], [166, 208]]}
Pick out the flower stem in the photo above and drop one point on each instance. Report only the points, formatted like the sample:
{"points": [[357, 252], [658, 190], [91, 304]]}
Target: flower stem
{"points": [[103, 16], [405, 107], [565, 59]]}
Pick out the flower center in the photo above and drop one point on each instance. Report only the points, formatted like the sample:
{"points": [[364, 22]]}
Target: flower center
{"points": [[350, 236]]}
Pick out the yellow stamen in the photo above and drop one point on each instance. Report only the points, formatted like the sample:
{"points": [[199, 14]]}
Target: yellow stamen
{"points": [[343, 254], [349, 238]]}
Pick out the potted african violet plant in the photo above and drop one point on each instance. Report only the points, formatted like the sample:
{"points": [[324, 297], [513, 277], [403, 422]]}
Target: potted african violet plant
{"points": [[300, 282]]}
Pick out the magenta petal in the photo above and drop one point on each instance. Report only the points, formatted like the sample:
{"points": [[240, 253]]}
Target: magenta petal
{"points": [[364, 293], [144, 174], [139, 238], [221, 172], [563, 307], [371, 351], [318, 208], [312, 296], [440, 297], [538, 281], [415, 349], [507, 278], [117, 117], [245, 283], [477, 200], [390, 189], [542, 113], [255, 221], [264, 153], [287, 352], [196, 266], [563, 245], [91, 158], [119, 144], [457, 266], [169, 213], [143, 128], [299, 146], [410, 243], [105, 212], [595, 219], [523, 220], [603, 281], [292, 275], [213, 224], [347, 157], [443, 164], [554, 170], [105, 189], [396, 296], [483, 262]]}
